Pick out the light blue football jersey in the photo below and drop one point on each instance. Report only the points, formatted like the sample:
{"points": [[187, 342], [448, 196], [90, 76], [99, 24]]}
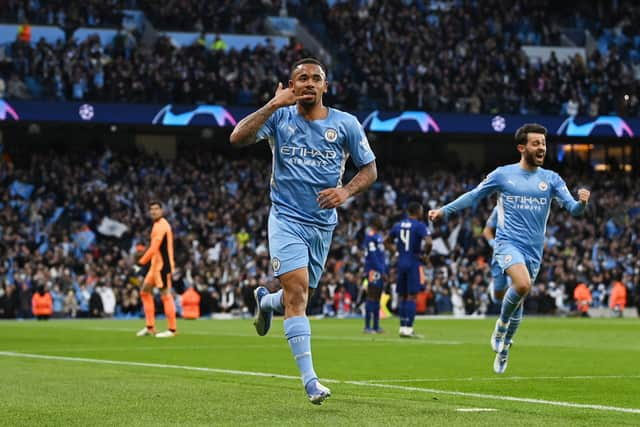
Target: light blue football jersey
{"points": [[524, 202], [310, 156]]}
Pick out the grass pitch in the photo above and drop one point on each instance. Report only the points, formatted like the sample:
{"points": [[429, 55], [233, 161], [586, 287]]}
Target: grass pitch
{"points": [[97, 372]]}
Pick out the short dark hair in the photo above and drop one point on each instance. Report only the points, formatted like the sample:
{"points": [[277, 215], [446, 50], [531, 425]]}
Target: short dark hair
{"points": [[308, 60], [524, 130], [155, 202], [413, 208], [377, 222]]}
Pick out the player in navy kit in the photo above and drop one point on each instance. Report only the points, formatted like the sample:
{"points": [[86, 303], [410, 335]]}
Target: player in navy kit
{"points": [[525, 191], [413, 244], [375, 267], [310, 144]]}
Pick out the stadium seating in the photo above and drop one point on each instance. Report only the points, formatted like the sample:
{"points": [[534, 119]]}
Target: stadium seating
{"points": [[438, 66], [64, 232]]}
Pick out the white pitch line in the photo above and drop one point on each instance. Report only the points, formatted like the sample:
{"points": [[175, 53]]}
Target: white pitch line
{"points": [[506, 398], [476, 410], [153, 365], [291, 377], [515, 378], [317, 337]]}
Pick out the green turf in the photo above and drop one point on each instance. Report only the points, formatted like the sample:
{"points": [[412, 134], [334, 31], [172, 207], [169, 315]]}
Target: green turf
{"points": [[453, 356]]}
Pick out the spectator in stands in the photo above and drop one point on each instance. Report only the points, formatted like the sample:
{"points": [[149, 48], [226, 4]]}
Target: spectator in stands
{"points": [[218, 44], [16, 89], [57, 299]]}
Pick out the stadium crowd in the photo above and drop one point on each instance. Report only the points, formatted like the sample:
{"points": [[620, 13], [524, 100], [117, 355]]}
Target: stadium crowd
{"points": [[465, 58], [65, 14], [74, 223], [240, 16], [469, 59], [123, 72]]}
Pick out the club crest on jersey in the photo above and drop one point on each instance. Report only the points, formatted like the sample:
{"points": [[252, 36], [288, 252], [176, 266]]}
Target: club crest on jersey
{"points": [[275, 263], [543, 186], [331, 135]]}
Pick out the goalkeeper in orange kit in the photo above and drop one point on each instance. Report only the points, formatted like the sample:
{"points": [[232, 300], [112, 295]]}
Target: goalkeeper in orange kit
{"points": [[160, 254]]}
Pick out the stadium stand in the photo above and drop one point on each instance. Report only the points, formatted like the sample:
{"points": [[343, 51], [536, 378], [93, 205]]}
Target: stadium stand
{"points": [[66, 14], [438, 67], [458, 56], [62, 214]]}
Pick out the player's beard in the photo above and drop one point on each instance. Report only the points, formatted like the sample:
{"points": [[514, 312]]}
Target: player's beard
{"points": [[532, 159]]}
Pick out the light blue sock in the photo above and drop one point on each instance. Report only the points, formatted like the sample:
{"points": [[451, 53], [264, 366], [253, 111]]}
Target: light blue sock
{"points": [[516, 318], [298, 332], [510, 304], [411, 312], [272, 302]]}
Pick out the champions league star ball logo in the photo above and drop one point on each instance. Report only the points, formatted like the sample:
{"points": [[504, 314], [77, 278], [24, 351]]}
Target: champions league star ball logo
{"points": [[331, 135], [543, 186], [498, 123], [275, 263], [86, 112]]}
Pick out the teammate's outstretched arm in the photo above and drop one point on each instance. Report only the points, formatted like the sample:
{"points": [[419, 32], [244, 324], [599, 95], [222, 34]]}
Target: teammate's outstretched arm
{"points": [[484, 189], [333, 197], [247, 129]]}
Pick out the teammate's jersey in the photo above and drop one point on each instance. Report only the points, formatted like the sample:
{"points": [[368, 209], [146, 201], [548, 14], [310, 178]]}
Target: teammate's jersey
{"points": [[160, 251], [310, 156], [409, 235], [524, 201], [492, 221], [374, 258]]}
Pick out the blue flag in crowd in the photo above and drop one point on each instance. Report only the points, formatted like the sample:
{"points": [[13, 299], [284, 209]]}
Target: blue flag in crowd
{"points": [[21, 189], [84, 239], [56, 216]]}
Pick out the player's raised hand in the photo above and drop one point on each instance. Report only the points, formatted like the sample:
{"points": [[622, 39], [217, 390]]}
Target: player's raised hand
{"points": [[435, 215], [583, 195], [285, 96], [332, 197]]}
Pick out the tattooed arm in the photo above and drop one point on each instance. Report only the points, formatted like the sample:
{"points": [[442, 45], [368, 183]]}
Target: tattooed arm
{"points": [[246, 130], [334, 197]]}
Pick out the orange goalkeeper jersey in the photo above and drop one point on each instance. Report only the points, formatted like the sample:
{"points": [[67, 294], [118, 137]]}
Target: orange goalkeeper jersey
{"points": [[160, 251]]}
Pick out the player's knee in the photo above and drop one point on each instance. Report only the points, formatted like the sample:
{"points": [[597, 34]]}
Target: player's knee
{"points": [[522, 285], [498, 295]]}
